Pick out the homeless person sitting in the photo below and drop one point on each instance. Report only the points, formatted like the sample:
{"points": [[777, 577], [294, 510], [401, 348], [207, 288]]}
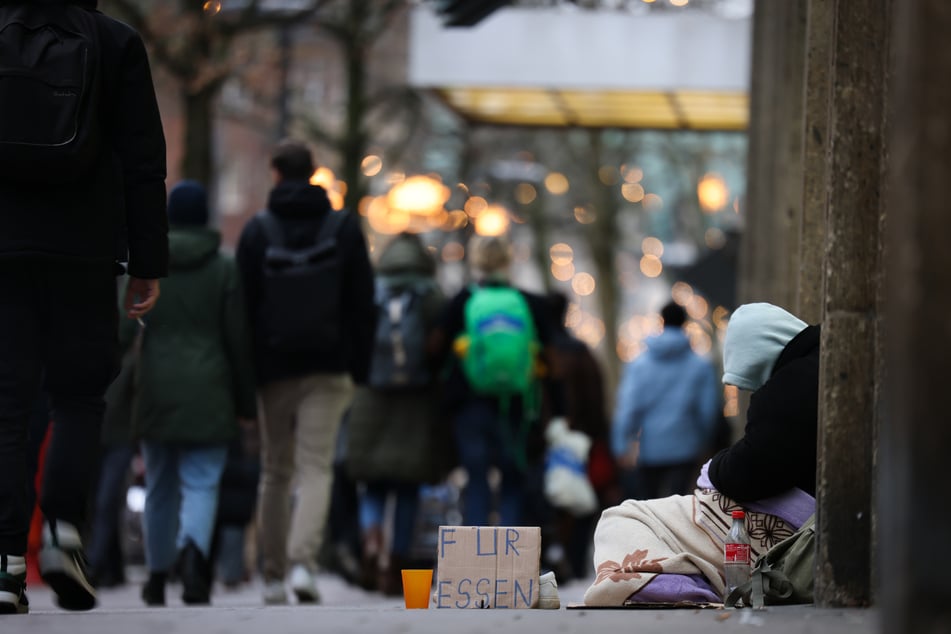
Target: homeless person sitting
{"points": [[671, 549]]}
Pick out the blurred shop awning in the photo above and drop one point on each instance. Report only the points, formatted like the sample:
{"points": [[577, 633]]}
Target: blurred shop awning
{"points": [[556, 67]]}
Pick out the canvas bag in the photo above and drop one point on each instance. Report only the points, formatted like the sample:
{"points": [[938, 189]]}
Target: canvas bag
{"points": [[784, 575], [49, 92], [300, 308]]}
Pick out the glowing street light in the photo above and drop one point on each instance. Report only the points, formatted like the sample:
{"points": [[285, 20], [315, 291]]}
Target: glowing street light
{"points": [[493, 221], [712, 193], [418, 195]]}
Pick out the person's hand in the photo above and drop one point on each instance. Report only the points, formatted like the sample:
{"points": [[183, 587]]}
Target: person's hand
{"points": [[628, 460], [140, 297]]}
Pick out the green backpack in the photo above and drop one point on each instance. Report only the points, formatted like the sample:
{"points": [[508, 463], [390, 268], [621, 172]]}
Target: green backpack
{"points": [[784, 575], [499, 359]]}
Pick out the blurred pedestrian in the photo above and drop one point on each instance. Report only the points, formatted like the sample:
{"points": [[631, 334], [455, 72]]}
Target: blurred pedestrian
{"points": [[492, 430], [82, 172], [309, 284], [580, 381], [666, 413], [397, 440], [194, 381]]}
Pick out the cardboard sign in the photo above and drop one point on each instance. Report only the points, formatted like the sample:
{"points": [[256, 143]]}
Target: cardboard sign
{"points": [[487, 566]]}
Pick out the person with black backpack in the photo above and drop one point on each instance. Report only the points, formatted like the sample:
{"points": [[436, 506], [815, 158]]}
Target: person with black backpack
{"points": [[309, 290], [82, 188], [397, 438]]}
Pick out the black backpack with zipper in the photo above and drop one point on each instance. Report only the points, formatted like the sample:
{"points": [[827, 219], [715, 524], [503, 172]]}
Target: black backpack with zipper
{"points": [[50, 88], [300, 309]]}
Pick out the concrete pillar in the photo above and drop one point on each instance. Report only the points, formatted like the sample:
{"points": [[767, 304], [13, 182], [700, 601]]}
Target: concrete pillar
{"points": [[769, 260], [815, 149], [848, 359], [916, 436]]}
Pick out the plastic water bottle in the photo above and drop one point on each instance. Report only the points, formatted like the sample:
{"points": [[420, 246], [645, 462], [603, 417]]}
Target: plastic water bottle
{"points": [[736, 554]]}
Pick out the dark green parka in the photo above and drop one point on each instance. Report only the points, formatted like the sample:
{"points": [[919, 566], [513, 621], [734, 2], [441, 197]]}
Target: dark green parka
{"points": [[195, 372], [400, 435]]}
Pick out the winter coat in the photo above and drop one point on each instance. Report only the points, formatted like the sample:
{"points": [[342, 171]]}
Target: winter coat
{"points": [[301, 209], [778, 447], [118, 209], [195, 374], [669, 395], [399, 434]]}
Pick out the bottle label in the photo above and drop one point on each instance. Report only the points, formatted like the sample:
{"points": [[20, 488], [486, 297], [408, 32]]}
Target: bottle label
{"points": [[736, 553]]}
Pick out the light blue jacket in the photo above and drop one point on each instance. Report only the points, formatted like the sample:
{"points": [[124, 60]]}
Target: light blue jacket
{"points": [[670, 396]]}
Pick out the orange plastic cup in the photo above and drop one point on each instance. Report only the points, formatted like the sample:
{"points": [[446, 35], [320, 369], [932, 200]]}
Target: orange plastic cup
{"points": [[417, 585]]}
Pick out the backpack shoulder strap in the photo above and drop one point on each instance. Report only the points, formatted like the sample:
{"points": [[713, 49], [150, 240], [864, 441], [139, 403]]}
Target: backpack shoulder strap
{"points": [[271, 225]]}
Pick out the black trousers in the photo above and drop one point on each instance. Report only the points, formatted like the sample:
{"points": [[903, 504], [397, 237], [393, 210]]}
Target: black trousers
{"points": [[58, 333]]}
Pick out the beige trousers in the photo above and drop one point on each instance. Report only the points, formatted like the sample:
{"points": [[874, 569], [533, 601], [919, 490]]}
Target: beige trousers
{"points": [[300, 418]]}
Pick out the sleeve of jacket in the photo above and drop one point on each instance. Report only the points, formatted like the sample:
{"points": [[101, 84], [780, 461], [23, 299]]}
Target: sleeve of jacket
{"points": [[139, 143], [237, 336], [358, 299], [761, 463], [624, 428]]}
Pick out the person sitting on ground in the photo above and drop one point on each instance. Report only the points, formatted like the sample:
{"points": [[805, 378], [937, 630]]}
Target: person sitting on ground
{"points": [[769, 473]]}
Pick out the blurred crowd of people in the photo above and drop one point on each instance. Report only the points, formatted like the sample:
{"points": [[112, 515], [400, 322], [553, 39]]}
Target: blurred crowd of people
{"points": [[269, 438]]}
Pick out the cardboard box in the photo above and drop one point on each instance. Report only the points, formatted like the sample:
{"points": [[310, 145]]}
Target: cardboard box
{"points": [[487, 566]]}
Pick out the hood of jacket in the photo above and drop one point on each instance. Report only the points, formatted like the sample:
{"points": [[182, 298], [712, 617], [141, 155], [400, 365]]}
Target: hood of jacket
{"points": [[669, 344], [298, 199], [406, 254], [190, 247], [755, 337]]}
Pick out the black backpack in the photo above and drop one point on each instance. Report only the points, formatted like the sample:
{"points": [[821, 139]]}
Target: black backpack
{"points": [[49, 92], [399, 349], [300, 309]]}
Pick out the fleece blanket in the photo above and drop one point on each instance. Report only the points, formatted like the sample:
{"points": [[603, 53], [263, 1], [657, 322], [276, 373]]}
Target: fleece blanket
{"points": [[677, 539]]}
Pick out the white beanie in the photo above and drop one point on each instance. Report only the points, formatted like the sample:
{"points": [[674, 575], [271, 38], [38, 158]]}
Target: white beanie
{"points": [[755, 337]]}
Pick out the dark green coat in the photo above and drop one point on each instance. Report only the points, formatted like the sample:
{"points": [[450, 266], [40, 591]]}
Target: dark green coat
{"points": [[400, 435], [194, 376]]}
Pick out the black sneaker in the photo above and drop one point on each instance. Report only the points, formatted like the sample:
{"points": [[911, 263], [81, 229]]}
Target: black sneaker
{"points": [[63, 567], [13, 585]]}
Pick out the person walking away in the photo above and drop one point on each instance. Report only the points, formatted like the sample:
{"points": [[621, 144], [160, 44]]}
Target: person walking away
{"points": [[82, 173], [397, 440], [194, 381], [494, 429], [309, 285], [665, 415], [580, 379]]}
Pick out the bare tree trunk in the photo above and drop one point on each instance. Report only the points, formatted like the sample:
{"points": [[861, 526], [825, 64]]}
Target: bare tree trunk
{"points": [[198, 131]]}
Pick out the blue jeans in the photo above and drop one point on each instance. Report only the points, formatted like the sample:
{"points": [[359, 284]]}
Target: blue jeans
{"points": [[372, 504], [181, 499], [480, 443]]}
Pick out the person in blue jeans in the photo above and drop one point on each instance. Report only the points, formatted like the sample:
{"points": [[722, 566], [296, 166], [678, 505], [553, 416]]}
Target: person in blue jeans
{"points": [[194, 382], [487, 433]]}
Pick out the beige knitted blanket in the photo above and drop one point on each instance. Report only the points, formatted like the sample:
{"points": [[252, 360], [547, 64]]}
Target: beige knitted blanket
{"points": [[682, 534]]}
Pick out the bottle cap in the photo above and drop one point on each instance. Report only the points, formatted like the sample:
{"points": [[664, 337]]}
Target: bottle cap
{"points": [[738, 515]]}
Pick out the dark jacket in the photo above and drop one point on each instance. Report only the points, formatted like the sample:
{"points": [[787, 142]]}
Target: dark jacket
{"points": [[195, 375], [301, 208], [118, 211], [399, 435], [778, 447]]}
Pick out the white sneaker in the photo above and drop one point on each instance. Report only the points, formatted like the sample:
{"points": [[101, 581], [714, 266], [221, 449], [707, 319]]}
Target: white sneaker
{"points": [[548, 592], [302, 584], [274, 593]]}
